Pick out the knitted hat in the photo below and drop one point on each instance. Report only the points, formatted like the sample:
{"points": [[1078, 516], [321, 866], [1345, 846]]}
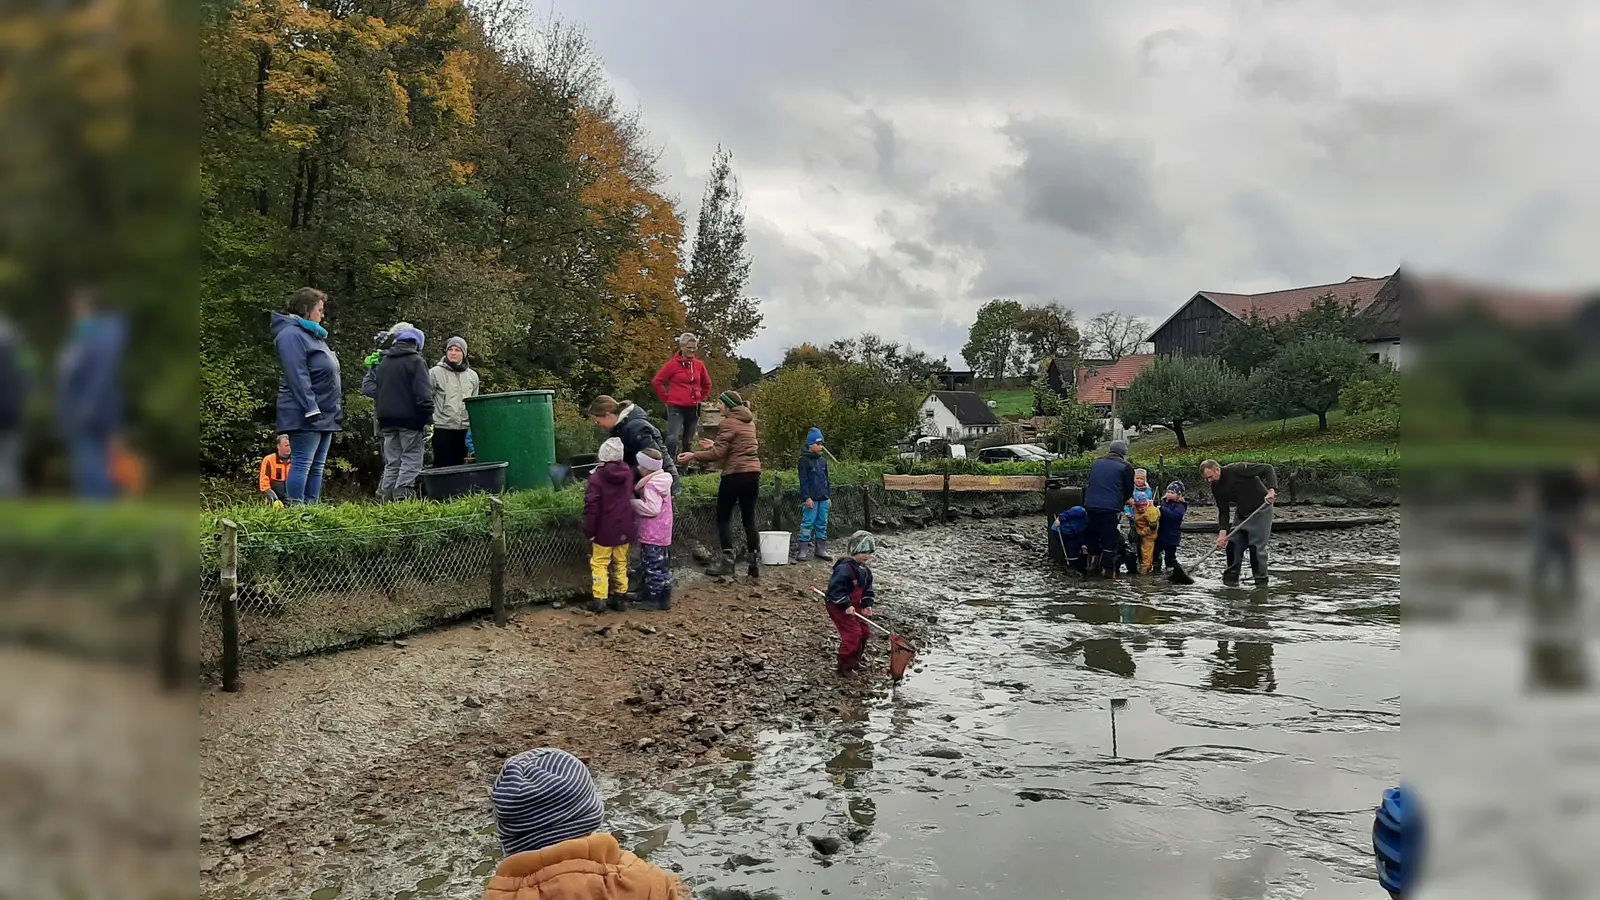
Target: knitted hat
{"points": [[1176, 487], [646, 463], [861, 542], [1119, 448], [414, 335], [457, 342], [731, 399], [814, 436], [611, 450], [544, 797], [1140, 498]]}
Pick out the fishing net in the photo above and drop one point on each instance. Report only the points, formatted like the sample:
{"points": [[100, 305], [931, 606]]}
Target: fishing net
{"points": [[901, 655]]}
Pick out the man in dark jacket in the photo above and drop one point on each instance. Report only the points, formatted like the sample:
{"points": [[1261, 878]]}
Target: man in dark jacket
{"points": [[1108, 491], [403, 405], [1246, 487]]}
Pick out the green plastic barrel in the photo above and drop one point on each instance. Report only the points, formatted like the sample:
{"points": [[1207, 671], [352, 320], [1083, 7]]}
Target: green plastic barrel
{"points": [[517, 428]]}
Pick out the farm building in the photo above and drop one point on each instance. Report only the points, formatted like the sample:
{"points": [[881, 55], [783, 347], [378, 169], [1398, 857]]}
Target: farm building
{"points": [[1197, 327], [957, 415]]}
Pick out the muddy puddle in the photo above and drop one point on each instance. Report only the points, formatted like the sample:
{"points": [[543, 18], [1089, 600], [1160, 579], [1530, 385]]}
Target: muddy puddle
{"points": [[1058, 738]]}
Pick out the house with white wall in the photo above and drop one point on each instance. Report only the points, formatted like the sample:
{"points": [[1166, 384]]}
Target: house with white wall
{"points": [[957, 415]]}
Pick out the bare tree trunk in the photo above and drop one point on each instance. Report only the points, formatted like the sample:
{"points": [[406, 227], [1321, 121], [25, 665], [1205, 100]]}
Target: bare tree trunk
{"points": [[1177, 429]]}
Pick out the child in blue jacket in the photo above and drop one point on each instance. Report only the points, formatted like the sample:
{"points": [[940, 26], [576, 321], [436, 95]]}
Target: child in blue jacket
{"points": [[1169, 534], [1069, 528], [815, 491]]}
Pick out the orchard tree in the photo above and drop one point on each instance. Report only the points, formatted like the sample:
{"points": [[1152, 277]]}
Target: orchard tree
{"points": [[1113, 335], [993, 348], [719, 269], [1177, 391], [1310, 374]]}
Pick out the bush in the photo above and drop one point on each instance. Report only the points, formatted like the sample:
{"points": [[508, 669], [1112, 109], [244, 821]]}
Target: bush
{"points": [[789, 406], [1380, 391]]}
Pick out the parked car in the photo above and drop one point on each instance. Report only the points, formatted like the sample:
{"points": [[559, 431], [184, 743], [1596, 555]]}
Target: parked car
{"points": [[1014, 453]]}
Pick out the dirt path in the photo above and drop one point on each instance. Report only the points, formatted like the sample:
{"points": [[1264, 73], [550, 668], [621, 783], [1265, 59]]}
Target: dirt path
{"points": [[317, 752]]}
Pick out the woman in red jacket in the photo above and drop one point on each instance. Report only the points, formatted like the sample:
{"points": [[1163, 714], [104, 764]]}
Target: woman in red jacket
{"points": [[683, 384]]}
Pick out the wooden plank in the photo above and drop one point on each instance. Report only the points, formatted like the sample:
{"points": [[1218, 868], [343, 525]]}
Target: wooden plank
{"points": [[1014, 484], [913, 482]]}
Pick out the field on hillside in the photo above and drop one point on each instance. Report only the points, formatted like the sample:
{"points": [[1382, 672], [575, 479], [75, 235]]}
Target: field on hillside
{"points": [[1012, 403], [1372, 437]]}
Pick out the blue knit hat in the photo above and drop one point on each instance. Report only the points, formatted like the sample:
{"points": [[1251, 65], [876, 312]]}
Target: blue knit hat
{"points": [[544, 797], [814, 436], [413, 335]]}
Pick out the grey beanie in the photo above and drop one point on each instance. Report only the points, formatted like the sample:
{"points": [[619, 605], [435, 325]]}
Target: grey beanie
{"points": [[544, 797], [457, 342], [1119, 448]]}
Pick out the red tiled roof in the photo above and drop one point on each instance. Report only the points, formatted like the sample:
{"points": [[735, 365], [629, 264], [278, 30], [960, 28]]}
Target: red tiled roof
{"points": [[1512, 305], [1094, 384], [1283, 304]]}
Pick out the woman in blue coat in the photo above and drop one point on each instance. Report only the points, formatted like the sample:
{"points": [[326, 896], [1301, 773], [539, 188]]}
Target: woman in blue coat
{"points": [[310, 395]]}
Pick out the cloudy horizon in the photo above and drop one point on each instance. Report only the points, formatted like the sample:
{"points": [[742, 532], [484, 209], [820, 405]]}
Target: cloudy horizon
{"points": [[903, 163]]}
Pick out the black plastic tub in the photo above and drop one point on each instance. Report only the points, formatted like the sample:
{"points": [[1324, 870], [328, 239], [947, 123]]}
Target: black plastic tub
{"points": [[451, 482]]}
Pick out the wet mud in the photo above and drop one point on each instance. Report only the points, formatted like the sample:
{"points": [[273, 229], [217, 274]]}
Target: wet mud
{"points": [[1114, 740]]}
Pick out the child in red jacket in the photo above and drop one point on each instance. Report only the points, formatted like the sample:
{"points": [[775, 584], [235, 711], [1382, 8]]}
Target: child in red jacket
{"points": [[850, 594]]}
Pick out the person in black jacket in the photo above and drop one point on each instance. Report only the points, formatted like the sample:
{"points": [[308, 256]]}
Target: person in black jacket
{"points": [[1247, 488], [15, 385], [1108, 491], [403, 406]]}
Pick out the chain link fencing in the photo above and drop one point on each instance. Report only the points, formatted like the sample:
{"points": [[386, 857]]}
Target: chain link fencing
{"points": [[296, 597]]}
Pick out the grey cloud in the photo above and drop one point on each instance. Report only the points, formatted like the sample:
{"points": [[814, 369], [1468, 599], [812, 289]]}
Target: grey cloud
{"points": [[1281, 244], [1392, 141], [884, 144], [1092, 186], [1295, 81]]}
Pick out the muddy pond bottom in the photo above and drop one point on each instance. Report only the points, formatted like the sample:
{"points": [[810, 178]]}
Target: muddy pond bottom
{"points": [[1075, 739]]}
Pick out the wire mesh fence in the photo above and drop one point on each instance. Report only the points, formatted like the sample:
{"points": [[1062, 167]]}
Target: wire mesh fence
{"points": [[311, 591]]}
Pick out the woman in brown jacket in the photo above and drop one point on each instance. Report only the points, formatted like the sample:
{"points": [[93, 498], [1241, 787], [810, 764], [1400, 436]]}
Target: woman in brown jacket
{"points": [[737, 453]]}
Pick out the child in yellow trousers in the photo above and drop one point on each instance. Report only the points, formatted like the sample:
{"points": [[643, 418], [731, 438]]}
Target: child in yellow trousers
{"points": [[1146, 522], [609, 524]]}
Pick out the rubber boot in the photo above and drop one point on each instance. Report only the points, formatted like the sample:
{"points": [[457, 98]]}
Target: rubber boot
{"points": [[723, 565], [822, 550], [596, 606], [804, 552], [664, 599], [753, 570], [615, 603]]}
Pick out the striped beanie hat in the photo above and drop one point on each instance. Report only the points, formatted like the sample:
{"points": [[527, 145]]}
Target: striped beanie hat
{"points": [[731, 399], [544, 797]]}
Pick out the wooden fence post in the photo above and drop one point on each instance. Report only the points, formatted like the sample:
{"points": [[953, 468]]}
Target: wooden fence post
{"points": [[172, 606], [944, 506], [230, 605], [497, 561], [866, 507]]}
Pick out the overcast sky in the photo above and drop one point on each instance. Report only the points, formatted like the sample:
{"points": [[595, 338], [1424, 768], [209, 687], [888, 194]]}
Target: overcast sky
{"points": [[903, 162]]}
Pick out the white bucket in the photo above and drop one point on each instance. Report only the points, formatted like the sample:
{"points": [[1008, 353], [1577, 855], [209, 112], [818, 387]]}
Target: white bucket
{"points": [[774, 548]]}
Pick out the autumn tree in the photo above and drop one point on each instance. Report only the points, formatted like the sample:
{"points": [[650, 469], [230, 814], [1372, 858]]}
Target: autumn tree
{"points": [[1113, 335], [809, 355], [713, 288], [993, 347]]}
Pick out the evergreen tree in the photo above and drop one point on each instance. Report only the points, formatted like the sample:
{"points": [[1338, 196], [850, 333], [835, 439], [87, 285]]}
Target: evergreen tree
{"points": [[714, 285]]}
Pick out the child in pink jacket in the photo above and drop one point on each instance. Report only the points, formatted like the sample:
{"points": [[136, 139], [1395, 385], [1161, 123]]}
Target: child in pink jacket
{"points": [[653, 507]]}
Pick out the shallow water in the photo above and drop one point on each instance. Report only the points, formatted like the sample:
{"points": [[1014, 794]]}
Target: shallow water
{"points": [[1252, 734], [1065, 738]]}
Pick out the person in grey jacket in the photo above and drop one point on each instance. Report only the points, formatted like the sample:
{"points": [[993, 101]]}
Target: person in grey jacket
{"points": [[453, 382]]}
